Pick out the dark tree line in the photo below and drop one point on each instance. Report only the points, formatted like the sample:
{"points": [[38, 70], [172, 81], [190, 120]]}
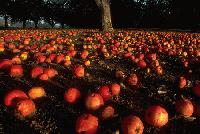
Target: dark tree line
{"points": [[104, 14]]}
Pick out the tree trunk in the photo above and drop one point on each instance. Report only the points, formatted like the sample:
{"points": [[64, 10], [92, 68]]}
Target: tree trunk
{"points": [[106, 20], [24, 23], [62, 25], [6, 21], [36, 23], [51, 23]]}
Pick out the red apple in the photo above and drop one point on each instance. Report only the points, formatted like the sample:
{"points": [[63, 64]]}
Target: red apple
{"points": [[133, 80], [41, 58], [52, 57], [79, 71], [12, 96], [115, 89], [132, 125], [87, 124], [25, 108], [159, 70], [5, 64], [140, 56], [94, 101], [156, 116], [36, 71], [108, 112], [16, 71], [152, 56], [44, 77], [184, 107], [50, 72], [182, 82], [84, 54], [141, 64], [72, 95], [104, 91]]}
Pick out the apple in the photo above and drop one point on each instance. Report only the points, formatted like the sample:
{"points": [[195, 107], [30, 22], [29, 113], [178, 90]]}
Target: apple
{"points": [[105, 92], [94, 101], [132, 125], [59, 58], [87, 124], [115, 89], [51, 72], [41, 58], [72, 95], [16, 71], [12, 96], [140, 56], [107, 113], [5, 64], [36, 92], [44, 77], [132, 80], [184, 107], [36, 71], [141, 64], [79, 71], [52, 57], [25, 108], [84, 54], [159, 70], [156, 116], [152, 56], [182, 82]]}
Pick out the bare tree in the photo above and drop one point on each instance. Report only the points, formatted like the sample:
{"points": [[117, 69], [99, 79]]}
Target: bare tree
{"points": [[104, 6]]}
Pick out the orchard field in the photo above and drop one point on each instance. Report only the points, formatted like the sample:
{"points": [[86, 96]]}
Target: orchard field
{"points": [[88, 82]]}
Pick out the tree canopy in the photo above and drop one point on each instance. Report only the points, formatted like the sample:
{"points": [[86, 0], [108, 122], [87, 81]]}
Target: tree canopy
{"points": [[86, 14]]}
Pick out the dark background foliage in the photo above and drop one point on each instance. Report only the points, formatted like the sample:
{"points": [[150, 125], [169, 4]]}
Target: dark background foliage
{"points": [[85, 13]]}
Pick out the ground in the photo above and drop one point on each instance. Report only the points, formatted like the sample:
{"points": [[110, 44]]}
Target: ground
{"points": [[108, 53]]}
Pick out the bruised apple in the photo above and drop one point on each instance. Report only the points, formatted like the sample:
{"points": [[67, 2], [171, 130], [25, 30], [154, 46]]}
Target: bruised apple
{"points": [[25, 108], [94, 101], [132, 125], [156, 116], [72, 95], [16, 71], [13, 95], [87, 124], [184, 107]]}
